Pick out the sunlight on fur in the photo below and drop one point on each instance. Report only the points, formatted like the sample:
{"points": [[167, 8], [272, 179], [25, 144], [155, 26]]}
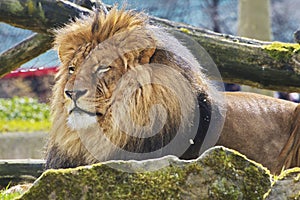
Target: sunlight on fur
{"points": [[115, 70], [124, 92], [79, 121]]}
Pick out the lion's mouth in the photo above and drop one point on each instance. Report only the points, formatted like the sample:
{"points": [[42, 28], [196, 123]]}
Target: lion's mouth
{"points": [[79, 110]]}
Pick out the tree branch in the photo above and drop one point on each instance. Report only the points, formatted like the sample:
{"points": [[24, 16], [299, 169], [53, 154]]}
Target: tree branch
{"points": [[39, 15], [240, 60], [268, 65], [24, 52]]}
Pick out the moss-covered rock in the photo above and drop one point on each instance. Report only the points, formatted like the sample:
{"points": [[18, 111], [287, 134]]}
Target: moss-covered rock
{"points": [[287, 186], [219, 173], [282, 51]]}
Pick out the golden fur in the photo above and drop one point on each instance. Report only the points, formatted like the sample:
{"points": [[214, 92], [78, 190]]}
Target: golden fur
{"points": [[130, 47], [263, 128]]}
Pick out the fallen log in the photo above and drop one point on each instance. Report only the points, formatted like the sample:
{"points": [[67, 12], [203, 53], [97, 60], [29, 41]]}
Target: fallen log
{"points": [[20, 170]]}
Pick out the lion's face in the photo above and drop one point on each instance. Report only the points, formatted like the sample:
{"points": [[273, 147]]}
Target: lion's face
{"points": [[88, 91], [93, 76]]}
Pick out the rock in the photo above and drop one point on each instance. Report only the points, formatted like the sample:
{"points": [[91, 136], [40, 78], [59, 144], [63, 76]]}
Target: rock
{"points": [[287, 186], [219, 173]]}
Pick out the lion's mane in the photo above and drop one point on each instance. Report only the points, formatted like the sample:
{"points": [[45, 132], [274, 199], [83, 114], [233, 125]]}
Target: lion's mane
{"points": [[91, 41]]}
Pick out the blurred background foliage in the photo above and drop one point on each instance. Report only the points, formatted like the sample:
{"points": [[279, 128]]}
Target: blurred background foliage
{"points": [[23, 114]]}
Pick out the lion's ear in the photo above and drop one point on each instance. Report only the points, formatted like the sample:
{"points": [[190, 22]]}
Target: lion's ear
{"points": [[60, 54], [146, 55], [64, 55]]}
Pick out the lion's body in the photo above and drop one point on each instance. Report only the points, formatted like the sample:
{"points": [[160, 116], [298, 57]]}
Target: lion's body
{"points": [[261, 127], [116, 69]]}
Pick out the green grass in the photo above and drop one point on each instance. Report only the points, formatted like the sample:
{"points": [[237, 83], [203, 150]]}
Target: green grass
{"points": [[24, 126], [23, 114], [4, 196]]}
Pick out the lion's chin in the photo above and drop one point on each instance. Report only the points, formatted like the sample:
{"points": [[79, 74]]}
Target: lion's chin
{"points": [[79, 120]]}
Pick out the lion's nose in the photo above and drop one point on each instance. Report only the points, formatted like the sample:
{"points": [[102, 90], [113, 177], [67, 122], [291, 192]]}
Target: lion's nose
{"points": [[75, 94]]}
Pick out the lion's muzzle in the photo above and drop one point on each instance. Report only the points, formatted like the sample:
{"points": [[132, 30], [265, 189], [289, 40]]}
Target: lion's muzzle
{"points": [[75, 94]]}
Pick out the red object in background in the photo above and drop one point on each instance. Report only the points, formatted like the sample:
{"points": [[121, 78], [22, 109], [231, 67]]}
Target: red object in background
{"points": [[31, 72]]}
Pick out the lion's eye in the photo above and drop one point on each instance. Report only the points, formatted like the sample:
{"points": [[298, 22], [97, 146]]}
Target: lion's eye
{"points": [[102, 69], [71, 69]]}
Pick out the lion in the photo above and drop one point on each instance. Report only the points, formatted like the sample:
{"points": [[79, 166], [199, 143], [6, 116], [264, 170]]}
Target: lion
{"points": [[129, 90]]}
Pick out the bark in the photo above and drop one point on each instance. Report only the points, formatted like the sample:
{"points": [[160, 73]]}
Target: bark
{"points": [[20, 170], [247, 61], [240, 60], [24, 52], [40, 16]]}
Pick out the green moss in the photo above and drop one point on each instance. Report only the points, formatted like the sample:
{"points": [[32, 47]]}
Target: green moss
{"points": [[35, 9], [293, 174], [107, 183], [289, 173], [252, 179], [222, 189], [31, 7], [185, 30], [286, 185], [282, 51], [217, 175], [14, 7]]}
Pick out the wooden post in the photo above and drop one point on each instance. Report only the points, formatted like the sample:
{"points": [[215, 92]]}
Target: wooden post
{"points": [[254, 22]]}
